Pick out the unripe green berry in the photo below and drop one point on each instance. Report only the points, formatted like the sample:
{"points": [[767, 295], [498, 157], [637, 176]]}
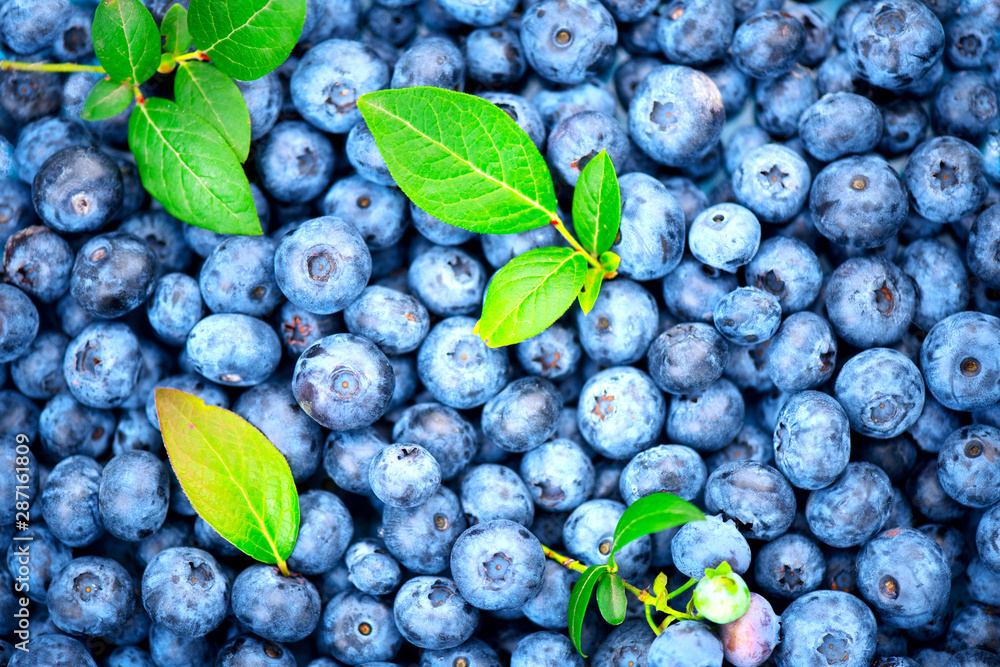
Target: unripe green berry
{"points": [[722, 596]]}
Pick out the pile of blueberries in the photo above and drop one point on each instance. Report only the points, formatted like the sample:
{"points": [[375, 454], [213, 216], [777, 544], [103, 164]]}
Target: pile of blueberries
{"points": [[804, 341]]}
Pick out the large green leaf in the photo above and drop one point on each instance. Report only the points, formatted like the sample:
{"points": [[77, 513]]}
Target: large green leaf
{"points": [[597, 205], [461, 159], [126, 40], [234, 477], [579, 599], [611, 599], [174, 30], [106, 99], [188, 166], [246, 38], [203, 89], [530, 293], [651, 514]]}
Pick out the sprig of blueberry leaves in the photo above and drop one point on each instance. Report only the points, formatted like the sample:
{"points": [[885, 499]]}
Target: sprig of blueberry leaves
{"points": [[241, 485], [463, 160], [189, 151]]}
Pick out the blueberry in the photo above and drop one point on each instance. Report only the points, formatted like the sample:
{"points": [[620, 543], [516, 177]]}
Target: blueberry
{"points": [[448, 281], [38, 373], [772, 181], [494, 56], [421, 538], [69, 501], [457, 367], [545, 649], [672, 469], [474, 652], [725, 236], [38, 261], [693, 290], [18, 322], [620, 412], [589, 535], [523, 415], [965, 468], [686, 644], [295, 161], [629, 642], [278, 608], [329, 79], [812, 440], [836, 625], [442, 431], [325, 530], [263, 98], [233, 349], [852, 509], [430, 61], [102, 364], [174, 307], [957, 364], [894, 43], [768, 43], [15, 202], [346, 457], [67, 427], [91, 596], [577, 139], [790, 566], [497, 565], [905, 123], [365, 157], [248, 650], [435, 231], [965, 106], [980, 251], [700, 545], [358, 628], [802, 353], [939, 278], [481, 13], [749, 640], [272, 409], [48, 557], [756, 496], [112, 275], [377, 211], [134, 495], [28, 96], [77, 189], [695, 33], [395, 25], [568, 42], [54, 650], [945, 178], [404, 475], [432, 614], [881, 392], [748, 315], [490, 492], [130, 656], [255, 292], [30, 27], [707, 420], [170, 650], [687, 358], [558, 474], [552, 354], [300, 328], [209, 392], [186, 591], [928, 496], [371, 569]]}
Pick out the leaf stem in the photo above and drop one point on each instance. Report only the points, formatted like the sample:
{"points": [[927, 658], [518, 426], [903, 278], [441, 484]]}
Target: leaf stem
{"points": [[561, 228], [568, 563], [649, 619], [194, 55], [49, 67], [283, 566], [691, 582]]}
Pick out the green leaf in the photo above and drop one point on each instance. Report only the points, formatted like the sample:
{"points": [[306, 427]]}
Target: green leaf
{"points": [[591, 288], [651, 514], [174, 30], [579, 599], [234, 477], [611, 599], [461, 159], [126, 40], [660, 585], [530, 293], [203, 89], [246, 39], [106, 99], [190, 168], [597, 205]]}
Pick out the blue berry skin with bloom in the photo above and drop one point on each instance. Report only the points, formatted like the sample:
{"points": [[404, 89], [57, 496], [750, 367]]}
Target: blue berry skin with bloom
{"points": [[528, 115], [802, 353], [988, 539], [102, 364], [448, 281], [480, 14], [38, 372], [946, 179], [344, 382], [755, 495], [984, 238], [620, 412], [674, 469], [904, 576], [497, 565], [329, 79], [442, 431], [325, 530], [494, 56], [371, 569], [404, 475], [621, 324], [272, 409], [839, 124], [580, 137], [706, 421], [835, 624], [685, 644], [67, 427], [969, 42], [905, 125], [748, 315], [358, 628], [432, 614], [323, 265], [545, 649], [859, 201], [870, 301], [165, 236], [232, 349], [365, 156], [112, 275], [377, 211], [430, 61], [881, 392], [852, 509], [549, 608], [189, 383], [396, 26], [186, 591], [166, 648], [38, 261], [78, 189], [69, 501], [894, 43], [91, 596], [589, 535], [457, 367], [790, 566], [295, 161], [773, 182], [501, 248], [247, 650], [54, 650], [48, 557], [238, 277], [559, 475], [263, 97], [552, 354], [959, 361], [687, 358], [346, 457], [475, 652], [651, 235], [940, 279], [41, 139], [568, 42], [491, 491], [435, 231], [695, 33], [175, 307], [767, 44], [966, 467], [523, 415], [676, 115], [134, 495], [707, 544], [812, 440], [278, 608], [741, 143], [629, 642], [725, 236], [781, 101], [966, 107], [421, 538], [130, 656], [29, 27]]}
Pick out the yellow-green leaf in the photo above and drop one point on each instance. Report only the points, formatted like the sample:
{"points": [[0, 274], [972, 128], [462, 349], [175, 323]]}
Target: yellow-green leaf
{"points": [[126, 40], [203, 89], [611, 599], [106, 99], [579, 599], [651, 514], [234, 477], [597, 205], [591, 288], [174, 30], [660, 585]]}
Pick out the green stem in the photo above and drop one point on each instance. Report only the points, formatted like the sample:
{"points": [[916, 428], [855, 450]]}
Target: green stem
{"points": [[49, 67], [194, 55], [283, 566], [689, 584], [649, 619], [561, 228]]}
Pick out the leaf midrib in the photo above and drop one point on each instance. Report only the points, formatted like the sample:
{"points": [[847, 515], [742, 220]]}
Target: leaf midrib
{"points": [[543, 281], [211, 105], [236, 30]]}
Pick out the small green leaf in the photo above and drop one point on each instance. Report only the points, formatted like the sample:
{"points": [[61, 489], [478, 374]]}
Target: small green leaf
{"points": [[651, 514], [106, 99], [234, 477], [530, 293], [597, 205], [174, 30], [591, 288], [721, 571], [579, 599], [246, 39], [660, 585], [203, 89], [126, 40], [610, 261], [461, 159], [190, 168], [611, 599]]}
